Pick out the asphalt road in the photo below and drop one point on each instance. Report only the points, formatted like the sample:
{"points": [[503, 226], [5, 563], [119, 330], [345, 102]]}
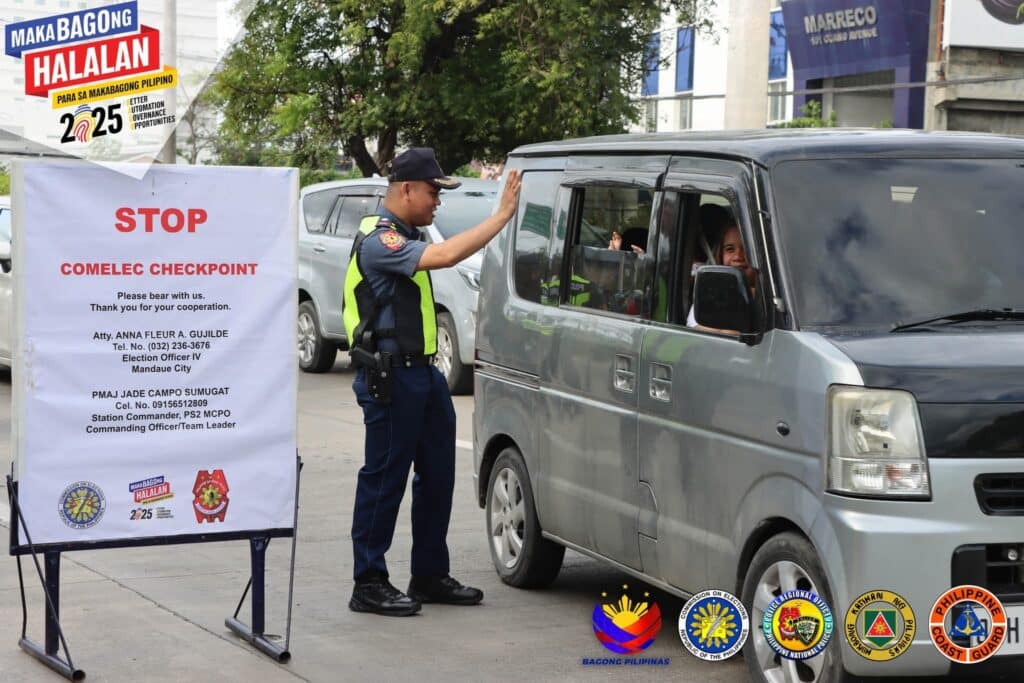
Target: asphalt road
{"points": [[157, 614]]}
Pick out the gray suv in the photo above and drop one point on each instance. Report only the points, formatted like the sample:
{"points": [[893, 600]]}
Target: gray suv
{"points": [[329, 216], [821, 391]]}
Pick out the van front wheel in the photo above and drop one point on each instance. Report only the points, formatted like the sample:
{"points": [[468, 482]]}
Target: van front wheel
{"points": [[787, 562], [521, 555]]}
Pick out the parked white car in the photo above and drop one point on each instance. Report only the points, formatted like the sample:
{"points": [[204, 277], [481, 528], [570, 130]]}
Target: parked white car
{"points": [[329, 217], [6, 300]]}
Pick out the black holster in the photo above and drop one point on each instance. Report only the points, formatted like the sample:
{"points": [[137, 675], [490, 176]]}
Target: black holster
{"points": [[377, 368]]}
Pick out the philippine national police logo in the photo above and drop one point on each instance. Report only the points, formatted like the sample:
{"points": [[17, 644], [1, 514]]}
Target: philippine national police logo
{"points": [[392, 239], [82, 505], [880, 625], [713, 625], [797, 624], [211, 496], [967, 624]]}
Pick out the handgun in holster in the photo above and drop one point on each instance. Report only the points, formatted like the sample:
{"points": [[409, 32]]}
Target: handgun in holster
{"points": [[376, 366]]}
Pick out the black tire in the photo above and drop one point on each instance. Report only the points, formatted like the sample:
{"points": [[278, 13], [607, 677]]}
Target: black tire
{"points": [[458, 375], [790, 547], [537, 563], [316, 354]]}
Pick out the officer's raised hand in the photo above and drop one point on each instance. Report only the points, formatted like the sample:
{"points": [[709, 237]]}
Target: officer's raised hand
{"points": [[457, 247]]}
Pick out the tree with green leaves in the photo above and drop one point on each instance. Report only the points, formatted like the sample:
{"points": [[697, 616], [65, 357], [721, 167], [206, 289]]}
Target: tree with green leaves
{"points": [[471, 78]]}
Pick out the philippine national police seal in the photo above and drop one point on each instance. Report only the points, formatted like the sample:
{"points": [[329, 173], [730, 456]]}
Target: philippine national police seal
{"points": [[797, 624], [82, 505], [713, 625], [880, 625]]}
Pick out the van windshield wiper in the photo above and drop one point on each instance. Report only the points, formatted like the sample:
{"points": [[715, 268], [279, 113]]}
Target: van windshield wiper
{"points": [[966, 316]]}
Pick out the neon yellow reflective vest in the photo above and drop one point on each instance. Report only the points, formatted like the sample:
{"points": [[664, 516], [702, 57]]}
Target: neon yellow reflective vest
{"points": [[415, 328]]}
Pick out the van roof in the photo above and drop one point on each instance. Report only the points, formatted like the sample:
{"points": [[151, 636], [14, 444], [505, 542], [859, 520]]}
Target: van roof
{"points": [[770, 146]]}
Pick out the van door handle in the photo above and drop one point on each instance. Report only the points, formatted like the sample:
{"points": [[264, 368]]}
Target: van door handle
{"points": [[661, 382], [624, 378], [319, 248]]}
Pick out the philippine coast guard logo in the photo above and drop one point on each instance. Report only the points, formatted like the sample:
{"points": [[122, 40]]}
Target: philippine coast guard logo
{"points": [[967, 624], [82, 505], [713, 625], [797, 624], [211, 496], [392, 239], [880, 625]]}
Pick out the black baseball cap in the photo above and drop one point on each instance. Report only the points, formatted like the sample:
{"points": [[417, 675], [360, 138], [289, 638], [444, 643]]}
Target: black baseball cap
{"points": [[419, 163]]}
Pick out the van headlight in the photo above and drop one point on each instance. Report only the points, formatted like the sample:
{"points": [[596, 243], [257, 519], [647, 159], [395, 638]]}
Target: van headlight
{"points": [[875, 444]]}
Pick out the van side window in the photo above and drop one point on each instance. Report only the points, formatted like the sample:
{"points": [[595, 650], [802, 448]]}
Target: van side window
{"points": [[533, 232], [610, 268], [669, 215]]}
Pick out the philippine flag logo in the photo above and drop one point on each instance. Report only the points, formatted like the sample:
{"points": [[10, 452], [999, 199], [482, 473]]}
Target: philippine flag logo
{"points": [[625, 626]]}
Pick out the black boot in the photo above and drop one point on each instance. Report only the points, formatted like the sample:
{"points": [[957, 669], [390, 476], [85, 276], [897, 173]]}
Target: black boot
{"points": [[443, 589], [376, 595]]}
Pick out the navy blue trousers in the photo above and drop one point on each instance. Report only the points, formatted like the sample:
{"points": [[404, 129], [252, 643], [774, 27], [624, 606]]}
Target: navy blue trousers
{"points": [[417, 429]]}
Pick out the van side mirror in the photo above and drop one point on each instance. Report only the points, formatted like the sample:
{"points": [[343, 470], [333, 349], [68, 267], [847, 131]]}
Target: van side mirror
{"points": [[722, 300]]}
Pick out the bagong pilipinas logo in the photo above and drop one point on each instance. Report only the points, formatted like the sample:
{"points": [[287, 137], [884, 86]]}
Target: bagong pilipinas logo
{"points": [[964, 615], [82, 505], [797, 624], [211, 496], [1006, 11], [880, 625], [91, 55], [625, 626], [713, 625]]}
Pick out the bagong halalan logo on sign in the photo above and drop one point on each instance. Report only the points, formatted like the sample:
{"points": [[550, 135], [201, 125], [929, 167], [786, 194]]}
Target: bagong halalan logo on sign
{"points": [[99, 69]]}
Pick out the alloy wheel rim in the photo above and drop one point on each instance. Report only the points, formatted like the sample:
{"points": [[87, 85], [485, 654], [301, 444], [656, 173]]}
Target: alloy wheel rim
{"points": [[508, 518], [307, 338], [776, 579], [443, 359]]}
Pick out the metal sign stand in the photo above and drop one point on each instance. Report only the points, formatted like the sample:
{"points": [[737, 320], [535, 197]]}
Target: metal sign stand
{"points": [[54, 639]]}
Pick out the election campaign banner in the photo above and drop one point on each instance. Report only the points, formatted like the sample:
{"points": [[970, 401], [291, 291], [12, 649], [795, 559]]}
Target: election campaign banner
{"points": [[154, 382]]}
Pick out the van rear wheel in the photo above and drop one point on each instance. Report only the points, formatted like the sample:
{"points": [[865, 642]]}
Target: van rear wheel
{"points": [[521, 555], [787, 562]]}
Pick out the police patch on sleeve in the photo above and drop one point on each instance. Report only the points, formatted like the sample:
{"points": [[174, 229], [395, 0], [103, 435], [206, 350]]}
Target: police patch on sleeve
{"points": [[392, 239]]}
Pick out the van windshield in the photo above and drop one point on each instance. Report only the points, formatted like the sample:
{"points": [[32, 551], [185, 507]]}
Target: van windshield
{"points": [[873, 243]]}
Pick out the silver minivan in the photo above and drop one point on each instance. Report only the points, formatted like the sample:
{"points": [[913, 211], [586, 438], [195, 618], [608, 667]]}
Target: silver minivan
{"points": [[329, 217], [764, 361]]}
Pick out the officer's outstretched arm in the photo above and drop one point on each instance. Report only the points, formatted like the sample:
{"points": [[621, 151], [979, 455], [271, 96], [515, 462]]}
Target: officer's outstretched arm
{"points": [[457, 247]]}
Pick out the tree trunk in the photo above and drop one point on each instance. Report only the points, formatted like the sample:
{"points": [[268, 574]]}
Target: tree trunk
{"points": [[356, 147]]}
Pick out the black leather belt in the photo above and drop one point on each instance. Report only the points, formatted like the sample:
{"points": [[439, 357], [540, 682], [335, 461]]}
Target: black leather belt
{"points": [[409, 360]]}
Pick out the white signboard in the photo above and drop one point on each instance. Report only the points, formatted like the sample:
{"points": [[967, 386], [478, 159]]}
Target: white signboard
{"points": [[992, 24], [154, 377]]}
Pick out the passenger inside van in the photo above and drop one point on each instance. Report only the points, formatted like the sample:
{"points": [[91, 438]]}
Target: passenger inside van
{"points": [[729, 252]]}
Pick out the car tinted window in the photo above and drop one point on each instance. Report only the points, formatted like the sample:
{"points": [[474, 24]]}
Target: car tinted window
{"points": [[616, 280], [462, 210], [874, 242], [533, 230], [5, 224], [351, 213], [315, 208]]}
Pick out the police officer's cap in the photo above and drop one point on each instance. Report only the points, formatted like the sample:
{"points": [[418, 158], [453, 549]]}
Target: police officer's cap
{"points": [[419, 163]]}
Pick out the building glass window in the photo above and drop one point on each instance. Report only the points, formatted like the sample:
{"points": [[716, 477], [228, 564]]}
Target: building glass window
{"points": [[684, 59], [651, 116], [777, 101], [686, 113], [649, 85], [777, 47]]}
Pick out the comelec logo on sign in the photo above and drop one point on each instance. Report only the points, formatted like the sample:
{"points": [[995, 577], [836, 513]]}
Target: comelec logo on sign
{"points": [[94, 55]]}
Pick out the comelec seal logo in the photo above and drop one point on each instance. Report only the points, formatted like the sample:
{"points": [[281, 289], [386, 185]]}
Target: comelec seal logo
{"points": [[880, 625], [713, 625], [626, 626], [82, 505], [797, 624], [964, 615]]}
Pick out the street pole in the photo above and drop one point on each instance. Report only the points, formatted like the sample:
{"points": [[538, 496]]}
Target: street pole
{"points": [[169, 153]]}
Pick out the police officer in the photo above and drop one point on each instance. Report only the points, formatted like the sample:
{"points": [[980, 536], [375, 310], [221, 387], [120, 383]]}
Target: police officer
{"points": [[407, 409]]}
